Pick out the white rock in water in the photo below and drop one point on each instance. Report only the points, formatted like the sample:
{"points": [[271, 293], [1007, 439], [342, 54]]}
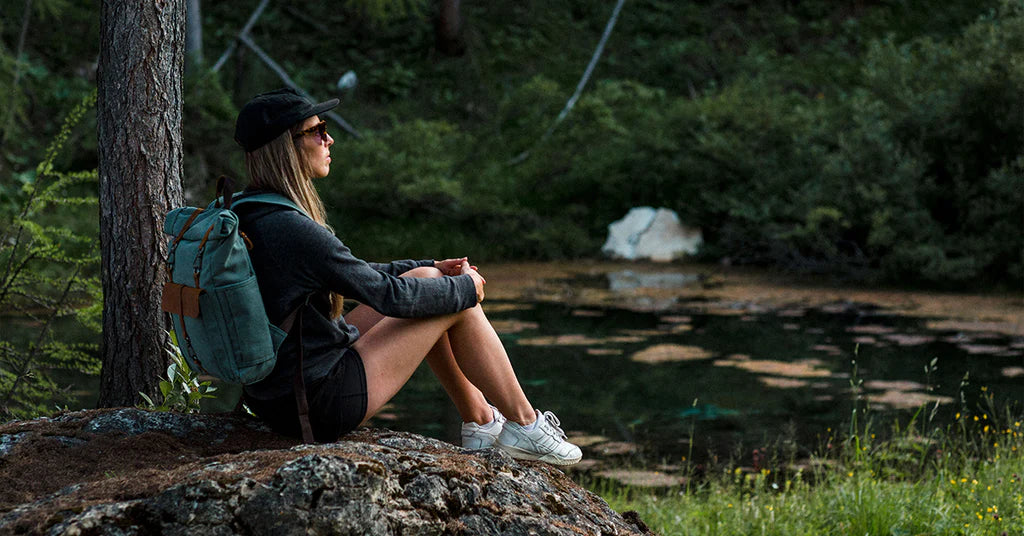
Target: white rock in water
{"points": [[646, 233]]}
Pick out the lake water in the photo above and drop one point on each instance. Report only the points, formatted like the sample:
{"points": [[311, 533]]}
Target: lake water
{"points": [[648, 364]]}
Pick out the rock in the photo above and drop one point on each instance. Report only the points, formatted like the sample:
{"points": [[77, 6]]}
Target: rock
{"points": [[131, 421], [7, 442], [646, 233], [128, 471]]}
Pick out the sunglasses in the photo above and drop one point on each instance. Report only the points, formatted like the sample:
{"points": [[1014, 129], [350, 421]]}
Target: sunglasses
{"points": [[320, 129]]}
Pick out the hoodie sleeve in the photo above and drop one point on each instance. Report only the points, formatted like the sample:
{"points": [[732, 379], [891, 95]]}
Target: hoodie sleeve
{"points": [[399, 267], [322, 261]]}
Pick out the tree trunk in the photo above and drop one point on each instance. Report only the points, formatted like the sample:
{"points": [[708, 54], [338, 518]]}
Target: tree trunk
{"points": [[193, 36], [140, 158], [448, 29]]}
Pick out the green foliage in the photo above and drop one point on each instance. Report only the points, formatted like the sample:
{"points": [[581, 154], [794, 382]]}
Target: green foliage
{"points": [[392, 81], [931, 163], [382, 11], [922, 477], [403, 172], [206, 111], [181, 390], [49, 273], [880, 140], [47, 71]]}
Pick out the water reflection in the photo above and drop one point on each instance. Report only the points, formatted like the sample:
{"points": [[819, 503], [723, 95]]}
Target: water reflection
{"points": [[636, 387], [629, 280]]}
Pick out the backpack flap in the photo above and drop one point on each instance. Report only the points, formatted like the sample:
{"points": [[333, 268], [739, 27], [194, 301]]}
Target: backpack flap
{"points": [[214, 299], [181, 300]]}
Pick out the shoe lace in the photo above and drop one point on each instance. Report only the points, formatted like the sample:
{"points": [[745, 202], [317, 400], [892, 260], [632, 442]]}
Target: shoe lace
{"points": [[555, 424]]}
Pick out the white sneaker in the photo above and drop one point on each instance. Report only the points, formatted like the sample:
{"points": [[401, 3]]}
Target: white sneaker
{"points": [[542, 440], [481, 436]]}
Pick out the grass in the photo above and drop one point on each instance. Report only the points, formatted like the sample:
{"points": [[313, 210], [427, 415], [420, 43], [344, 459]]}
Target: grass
{"points": [[964, 477]]}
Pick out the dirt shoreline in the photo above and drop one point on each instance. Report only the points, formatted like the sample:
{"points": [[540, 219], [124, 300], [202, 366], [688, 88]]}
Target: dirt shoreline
{"points": [[716, 288]]}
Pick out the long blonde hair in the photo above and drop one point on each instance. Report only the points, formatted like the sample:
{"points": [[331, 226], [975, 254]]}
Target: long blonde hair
{"points": [[278, 167]]}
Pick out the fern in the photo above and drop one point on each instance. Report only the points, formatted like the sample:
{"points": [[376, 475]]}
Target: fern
{"points": [[48, 271]]}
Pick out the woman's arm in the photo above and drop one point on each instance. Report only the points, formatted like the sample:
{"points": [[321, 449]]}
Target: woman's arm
{"points": [[400, 267], [322, 261]]}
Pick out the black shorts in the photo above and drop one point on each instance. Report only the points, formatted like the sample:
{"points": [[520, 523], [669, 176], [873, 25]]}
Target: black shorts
{"points": [[337, 403]]}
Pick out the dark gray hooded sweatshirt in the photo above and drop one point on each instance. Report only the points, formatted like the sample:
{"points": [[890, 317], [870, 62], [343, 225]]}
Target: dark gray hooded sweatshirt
{"points": [[294, 257]]}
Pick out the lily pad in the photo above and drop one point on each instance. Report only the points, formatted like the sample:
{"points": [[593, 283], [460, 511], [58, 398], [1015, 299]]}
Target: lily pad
{"points": [[893, 385], [782, 383], [897, 399], [975, 349], [587, 313], [904, 339], [1013, 372], [829, 349], [646, 479], [871, 329], [604, 351], [586, 440], [805, 368], [974, 325], [615, 448], [664, 353]]}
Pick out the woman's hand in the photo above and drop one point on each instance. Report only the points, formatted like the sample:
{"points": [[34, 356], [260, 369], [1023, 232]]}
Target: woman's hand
{"points": [[478, 281], [450, 266]]}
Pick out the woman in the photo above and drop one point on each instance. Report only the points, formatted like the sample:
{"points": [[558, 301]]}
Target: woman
{"points": [[410, 310]]}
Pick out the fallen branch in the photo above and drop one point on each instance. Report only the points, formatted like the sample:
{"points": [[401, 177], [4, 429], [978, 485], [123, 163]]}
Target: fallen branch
{"points": [[245, 31], [579, 87], [247, 41]]}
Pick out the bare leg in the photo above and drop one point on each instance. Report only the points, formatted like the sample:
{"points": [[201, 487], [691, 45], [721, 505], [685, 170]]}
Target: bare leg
{"points": [[394, 347], [468, 400]]}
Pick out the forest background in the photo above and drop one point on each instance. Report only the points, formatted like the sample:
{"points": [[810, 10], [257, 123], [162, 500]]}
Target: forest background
{"points": [[873, 140]]}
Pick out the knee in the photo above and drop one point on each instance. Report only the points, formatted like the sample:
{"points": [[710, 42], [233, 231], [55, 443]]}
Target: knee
{"points": [[475, 310], [423, 272]]}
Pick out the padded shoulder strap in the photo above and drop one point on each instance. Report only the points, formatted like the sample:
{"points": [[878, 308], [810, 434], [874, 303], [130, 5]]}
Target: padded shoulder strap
{"points": [[267, 198]]}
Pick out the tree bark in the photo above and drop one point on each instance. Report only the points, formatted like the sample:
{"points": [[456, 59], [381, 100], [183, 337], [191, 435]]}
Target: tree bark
{"points": [[140, 159], [448, 29]]}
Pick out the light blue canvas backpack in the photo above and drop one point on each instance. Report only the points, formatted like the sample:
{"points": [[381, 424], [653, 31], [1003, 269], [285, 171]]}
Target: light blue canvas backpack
{"points": [[213, 298]]}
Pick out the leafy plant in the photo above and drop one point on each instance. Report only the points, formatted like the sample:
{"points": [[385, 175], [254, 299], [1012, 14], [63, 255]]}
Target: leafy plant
{"points": [[49, 272], [181, 390]]}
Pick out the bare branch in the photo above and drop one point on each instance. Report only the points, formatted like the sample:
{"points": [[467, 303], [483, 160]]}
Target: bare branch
{"points": [[579, 87], [245, 31], [245, 39]]}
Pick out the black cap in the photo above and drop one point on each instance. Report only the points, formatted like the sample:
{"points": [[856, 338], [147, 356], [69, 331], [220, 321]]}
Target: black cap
{"points": [[269, 114]]}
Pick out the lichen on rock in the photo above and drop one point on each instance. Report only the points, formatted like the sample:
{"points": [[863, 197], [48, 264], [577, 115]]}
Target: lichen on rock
{"points": [[129, 471]]}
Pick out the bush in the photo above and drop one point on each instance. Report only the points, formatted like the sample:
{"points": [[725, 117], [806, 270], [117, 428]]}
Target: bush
{"points": [[931, 165]]}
